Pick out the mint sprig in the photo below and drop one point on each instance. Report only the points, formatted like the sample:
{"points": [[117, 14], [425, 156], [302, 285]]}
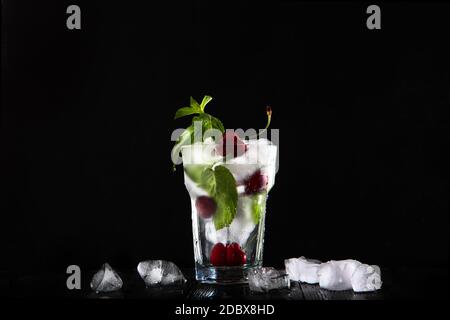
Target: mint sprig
{"points": [[207, 120], [194, 107]]}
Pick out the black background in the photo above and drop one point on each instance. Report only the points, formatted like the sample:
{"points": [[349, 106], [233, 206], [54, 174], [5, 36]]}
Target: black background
{"points": [[86, 119]]}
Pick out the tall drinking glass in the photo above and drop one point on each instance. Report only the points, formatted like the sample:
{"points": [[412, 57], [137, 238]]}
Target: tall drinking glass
{"points": [[227, 247]]}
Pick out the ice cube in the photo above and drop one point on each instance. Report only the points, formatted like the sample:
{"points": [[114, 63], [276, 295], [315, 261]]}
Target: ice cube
{"points": [[337, 275], [266, 279], [239, 231], [302, 269], [261, 155], [160, 272], [211, 233], [240, 228], [106, 280], [245, 208], [366, 278], [194, 190], [200, 153]]}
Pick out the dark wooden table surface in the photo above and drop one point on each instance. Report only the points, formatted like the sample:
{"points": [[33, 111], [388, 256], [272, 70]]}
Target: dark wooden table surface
{"points": [[398, 283]]}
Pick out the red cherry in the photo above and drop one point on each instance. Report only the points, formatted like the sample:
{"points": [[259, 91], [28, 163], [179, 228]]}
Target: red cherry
{"points": [[232, 254], [205, 206], [235, 256], [231, 144], [218, 255], [242, 257], [256, 183]]}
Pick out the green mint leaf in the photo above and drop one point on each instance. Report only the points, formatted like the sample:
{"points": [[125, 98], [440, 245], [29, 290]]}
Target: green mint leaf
{"points": [[217, 124], [221, 186], [208, 181], [194, 108], [194, 104], [185, 111], [205, 101], [209, 122], [258, 206], [226, 197], [206, 121]]}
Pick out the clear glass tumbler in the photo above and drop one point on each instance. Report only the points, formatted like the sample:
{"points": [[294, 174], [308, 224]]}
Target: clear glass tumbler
{"points": [[225, 252]]}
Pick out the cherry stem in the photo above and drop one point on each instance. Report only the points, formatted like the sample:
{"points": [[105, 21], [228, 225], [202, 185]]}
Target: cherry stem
{"points": [[269, 118]]}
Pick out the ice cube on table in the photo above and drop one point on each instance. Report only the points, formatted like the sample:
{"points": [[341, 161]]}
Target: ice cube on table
{"points": [[302, 269], [366, 278], [337, 275], [265, 279], [106, 280], [160, 272]]}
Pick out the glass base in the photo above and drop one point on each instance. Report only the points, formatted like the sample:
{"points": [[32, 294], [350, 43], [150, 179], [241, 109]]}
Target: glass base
{"points": [[222, 275]]}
